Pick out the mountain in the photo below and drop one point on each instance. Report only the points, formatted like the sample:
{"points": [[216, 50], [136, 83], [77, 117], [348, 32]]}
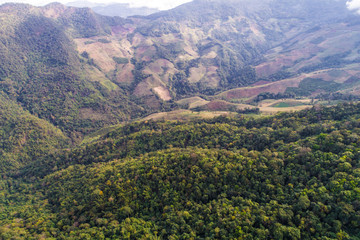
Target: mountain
{"points": [[206, 47], [105, 70], [123, 10], [24, 137], [120, 9], [84, 4], [42, 71], [80, 71], [81, 157]]}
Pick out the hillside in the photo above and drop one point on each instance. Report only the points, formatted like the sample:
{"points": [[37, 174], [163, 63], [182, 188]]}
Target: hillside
{"points": [[24, 137], [107, 70], [44, 73], [290, 176], [82, 158]]}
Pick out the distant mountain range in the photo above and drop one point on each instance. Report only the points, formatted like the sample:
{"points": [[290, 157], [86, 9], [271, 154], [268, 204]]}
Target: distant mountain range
{"points": [[104, 70], [82, 158], [116, 9]]}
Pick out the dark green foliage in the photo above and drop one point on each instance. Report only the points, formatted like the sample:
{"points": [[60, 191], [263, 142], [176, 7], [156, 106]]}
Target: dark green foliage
{"points": [[337, 96], [42, 71], [290, 176], [103, 40], [310, 85], [159, 28], [333, 61], [279, 76], [24, 137], [85, 22], [268, 95], [181, 84], [170, 51], [120, 60], [232, 71]]}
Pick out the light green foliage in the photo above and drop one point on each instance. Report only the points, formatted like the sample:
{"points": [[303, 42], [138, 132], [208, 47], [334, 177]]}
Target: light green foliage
{"points": [[290, 176]]}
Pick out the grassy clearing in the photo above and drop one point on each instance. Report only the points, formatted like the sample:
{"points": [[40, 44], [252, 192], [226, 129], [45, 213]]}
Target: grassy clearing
{"points": [[186, 115], [96, 135], [287, 104], [193, 102]]}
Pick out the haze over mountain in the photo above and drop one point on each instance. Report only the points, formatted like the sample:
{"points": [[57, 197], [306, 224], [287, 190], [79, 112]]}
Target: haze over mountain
{"points": [[105, 70], [74, 164], [115, 9]]}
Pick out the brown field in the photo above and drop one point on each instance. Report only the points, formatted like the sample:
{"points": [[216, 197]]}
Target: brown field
{"points": [[193, 102], [103, 53], [185, 115], [124, 73], [266, 106], [196, 74], [88, 113], [163, 93], [284, 60], [220, 105], [249, 92], [273, 110]]}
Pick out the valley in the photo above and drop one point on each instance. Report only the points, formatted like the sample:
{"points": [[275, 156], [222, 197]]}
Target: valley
{"points": [[216, 119]]}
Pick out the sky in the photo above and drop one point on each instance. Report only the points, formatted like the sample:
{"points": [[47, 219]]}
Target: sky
{"points": [[160, 4], [354, 5]]}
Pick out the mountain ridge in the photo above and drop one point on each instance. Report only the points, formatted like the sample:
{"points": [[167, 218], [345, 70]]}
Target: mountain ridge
{"points": [[107, 70], [78, 160], [114, 9]]}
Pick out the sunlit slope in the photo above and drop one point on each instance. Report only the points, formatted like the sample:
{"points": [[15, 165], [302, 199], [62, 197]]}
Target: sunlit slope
{"points": [[82, 71], [42, 70]]}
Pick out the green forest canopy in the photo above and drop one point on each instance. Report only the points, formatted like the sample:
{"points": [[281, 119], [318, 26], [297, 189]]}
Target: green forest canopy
{"points": [[289, 176]]}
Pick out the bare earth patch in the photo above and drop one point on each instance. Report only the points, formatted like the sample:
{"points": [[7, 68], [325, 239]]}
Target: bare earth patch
{"points": [[163, 93], [124, 73], [193, 102], [196, 74], [88, 113], [273, 110], [103, 53]]}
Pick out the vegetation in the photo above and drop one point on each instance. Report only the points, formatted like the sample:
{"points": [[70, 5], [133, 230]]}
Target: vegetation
{"points": [[120, 60], [310, 85], [24, 137], [287, 104], [290, 176]]}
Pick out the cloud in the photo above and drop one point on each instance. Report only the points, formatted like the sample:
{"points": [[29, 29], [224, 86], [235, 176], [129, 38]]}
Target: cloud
{"points": [[354, 5]]}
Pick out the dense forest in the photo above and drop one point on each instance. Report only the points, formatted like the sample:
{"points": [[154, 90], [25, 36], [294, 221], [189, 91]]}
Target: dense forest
{"points": [[77, 160], [288, 176]]}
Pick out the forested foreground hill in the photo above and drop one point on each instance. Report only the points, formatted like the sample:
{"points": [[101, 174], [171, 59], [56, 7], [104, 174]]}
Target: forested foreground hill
{"points": [[289, 176]]}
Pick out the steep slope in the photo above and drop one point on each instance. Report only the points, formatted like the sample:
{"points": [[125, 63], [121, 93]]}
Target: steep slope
{"points": [[42, 70], [81, 71], [23, 137], [209, 46]]}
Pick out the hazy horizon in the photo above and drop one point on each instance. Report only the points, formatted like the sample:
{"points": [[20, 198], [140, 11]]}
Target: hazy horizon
{"points": [[158, 4]]}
